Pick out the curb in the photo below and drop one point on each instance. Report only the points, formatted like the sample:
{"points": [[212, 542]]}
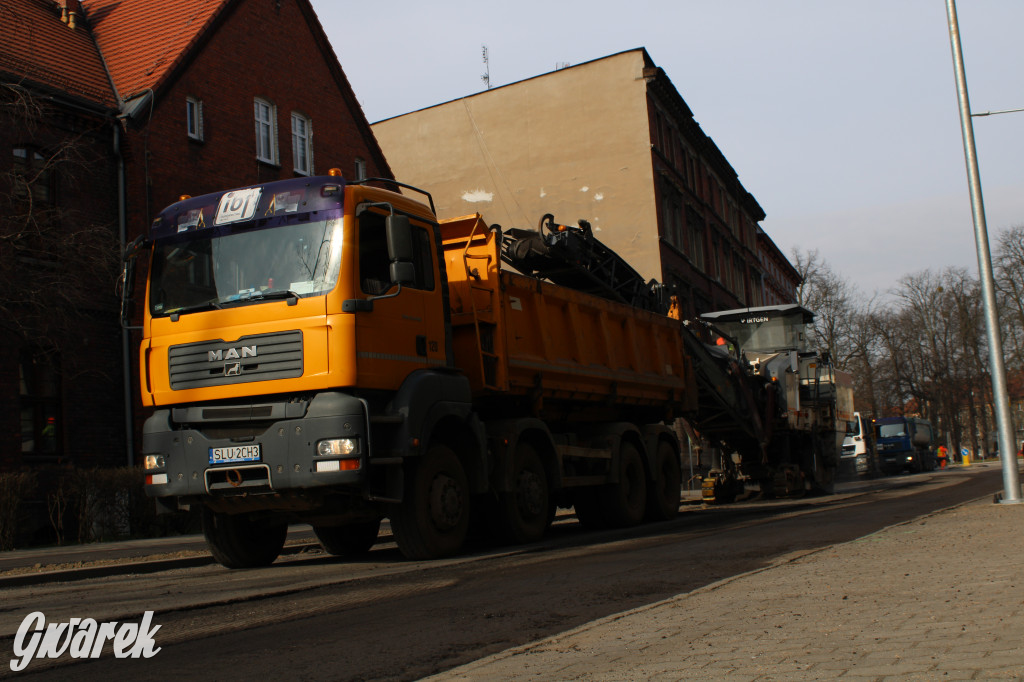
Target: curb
{"points": [[127, 568]]}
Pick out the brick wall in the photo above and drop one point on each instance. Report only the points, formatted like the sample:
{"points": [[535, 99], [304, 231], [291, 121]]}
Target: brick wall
{"points": [[262, 49], [86, 334]]}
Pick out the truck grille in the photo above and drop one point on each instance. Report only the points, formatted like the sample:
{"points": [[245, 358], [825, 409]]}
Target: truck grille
{"points": [[262, 357]]}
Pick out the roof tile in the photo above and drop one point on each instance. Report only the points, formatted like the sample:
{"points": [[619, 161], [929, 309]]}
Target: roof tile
{"points": [[143, 40], [37, 45]]}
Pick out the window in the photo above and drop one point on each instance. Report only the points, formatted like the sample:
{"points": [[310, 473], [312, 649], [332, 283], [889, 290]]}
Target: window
{"points": [[716, 259], [738, 279], [360, 169], [33, 175], [39, 383], [302, 144], [266, 131], [695, 225], [672, 229], [374, 263], [194, 118]]}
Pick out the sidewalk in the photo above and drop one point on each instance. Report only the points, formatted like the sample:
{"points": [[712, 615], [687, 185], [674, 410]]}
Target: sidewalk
{"points": [[940, 597]]}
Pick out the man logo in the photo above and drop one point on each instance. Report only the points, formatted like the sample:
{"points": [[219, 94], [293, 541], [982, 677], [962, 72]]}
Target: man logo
{"points": [[232, 369], [230, 354]]}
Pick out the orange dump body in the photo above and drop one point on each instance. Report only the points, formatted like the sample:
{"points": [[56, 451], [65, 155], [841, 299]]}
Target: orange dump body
{"points": [[553, 347]]}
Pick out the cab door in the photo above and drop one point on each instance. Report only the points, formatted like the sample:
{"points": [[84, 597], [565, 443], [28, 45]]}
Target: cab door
{"points": [[404, 332]]}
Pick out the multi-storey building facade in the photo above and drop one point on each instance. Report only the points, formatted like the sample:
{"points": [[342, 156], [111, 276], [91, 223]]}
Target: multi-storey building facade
{"points": [[610, 141], [780, 279]]}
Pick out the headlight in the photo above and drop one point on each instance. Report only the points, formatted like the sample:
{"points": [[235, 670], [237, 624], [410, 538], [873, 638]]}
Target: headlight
{"points": [[154, 462], [337, 447]]}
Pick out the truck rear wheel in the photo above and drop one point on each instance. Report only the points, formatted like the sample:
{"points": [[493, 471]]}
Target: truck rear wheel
{"points": [[241, 542], [625, 502], [433, 519], [525, 510], [667, 480], [351, 540]]}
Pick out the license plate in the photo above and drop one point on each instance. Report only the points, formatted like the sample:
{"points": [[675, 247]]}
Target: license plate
{"points": [[235, 453]]}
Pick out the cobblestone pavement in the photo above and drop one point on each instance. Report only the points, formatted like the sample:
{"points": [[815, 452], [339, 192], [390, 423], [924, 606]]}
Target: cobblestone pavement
{"points": [[937, 598]]}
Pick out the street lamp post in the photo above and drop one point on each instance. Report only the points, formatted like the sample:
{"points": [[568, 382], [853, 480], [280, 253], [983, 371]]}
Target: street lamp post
{"points": [[1007, 446]]}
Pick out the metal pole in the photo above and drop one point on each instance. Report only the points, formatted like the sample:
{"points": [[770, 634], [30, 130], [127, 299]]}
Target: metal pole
{"points": [[1004, 424]]}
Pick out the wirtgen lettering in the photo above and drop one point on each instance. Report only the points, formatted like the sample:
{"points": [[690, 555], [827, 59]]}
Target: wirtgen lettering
{"points": [[82, 638]]}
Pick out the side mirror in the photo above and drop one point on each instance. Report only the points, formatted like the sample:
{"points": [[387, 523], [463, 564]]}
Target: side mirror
{"points": [[399, 236], [403, 273], [128, 280], [400, 251]]}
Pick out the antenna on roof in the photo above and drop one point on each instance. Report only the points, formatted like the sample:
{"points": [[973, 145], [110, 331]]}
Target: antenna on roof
{"points": [[486, 78]]}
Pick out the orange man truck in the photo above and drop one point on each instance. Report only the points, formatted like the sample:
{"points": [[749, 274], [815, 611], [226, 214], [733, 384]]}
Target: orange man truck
{"points": [[327, 352]]}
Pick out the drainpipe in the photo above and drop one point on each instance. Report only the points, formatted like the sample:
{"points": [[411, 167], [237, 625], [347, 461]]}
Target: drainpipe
{"points": [[126, 334]]}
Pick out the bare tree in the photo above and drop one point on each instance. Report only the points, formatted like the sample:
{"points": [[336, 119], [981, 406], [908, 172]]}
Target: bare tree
{"points": [[55, 264], [830, 298], [1008, 268], [939, 363]]}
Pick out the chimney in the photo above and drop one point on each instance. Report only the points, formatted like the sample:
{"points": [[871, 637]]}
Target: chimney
{"points": [[70, 10]]}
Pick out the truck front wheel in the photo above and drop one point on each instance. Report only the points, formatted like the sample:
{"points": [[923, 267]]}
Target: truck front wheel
{"points": [[236, 541], [433, 518]]}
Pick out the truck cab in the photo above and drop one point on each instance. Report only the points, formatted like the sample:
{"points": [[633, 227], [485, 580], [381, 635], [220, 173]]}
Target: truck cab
{"points": [[858, 454], [905, 444]]}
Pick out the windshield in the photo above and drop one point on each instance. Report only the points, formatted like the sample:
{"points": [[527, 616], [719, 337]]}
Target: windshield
{"points": [[199, 270], [891, 430], [766, 334]]}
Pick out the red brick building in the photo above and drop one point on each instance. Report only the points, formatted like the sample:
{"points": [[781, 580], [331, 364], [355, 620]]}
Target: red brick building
{"points": [[110, 110]]}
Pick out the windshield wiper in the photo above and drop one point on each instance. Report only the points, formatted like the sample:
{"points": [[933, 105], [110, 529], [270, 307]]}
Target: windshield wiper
{"points": [[272, 295], [212, 304], [257, 296]]}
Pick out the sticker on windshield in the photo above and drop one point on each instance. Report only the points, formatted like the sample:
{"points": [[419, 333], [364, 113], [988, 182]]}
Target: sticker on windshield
{"points": [[285, 202], [193, 220], [237, 205]]}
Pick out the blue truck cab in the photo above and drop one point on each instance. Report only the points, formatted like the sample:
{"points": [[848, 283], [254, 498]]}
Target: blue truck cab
{"points": [[905, 443]]}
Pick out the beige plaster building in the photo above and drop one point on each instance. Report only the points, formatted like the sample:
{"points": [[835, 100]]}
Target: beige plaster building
{"points": [[610, 141]]}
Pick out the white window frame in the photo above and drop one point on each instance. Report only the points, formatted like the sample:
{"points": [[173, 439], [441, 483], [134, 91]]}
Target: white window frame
{"points": [[265, 115], [194, 118], [360, 168], [302, 143]]}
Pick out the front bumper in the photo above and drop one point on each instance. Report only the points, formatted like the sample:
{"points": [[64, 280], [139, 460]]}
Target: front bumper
{"points": [[286, 431]]}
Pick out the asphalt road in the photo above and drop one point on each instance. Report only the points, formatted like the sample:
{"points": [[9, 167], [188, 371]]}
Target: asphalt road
{"points": [[312, 617]]}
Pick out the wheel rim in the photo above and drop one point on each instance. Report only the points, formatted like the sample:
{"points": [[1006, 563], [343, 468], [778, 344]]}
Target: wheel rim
{"points": [[446, 502], [530, 498]]}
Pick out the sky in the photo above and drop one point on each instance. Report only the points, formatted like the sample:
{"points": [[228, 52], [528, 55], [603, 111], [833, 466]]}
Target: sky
{"points": [[840, 118]]}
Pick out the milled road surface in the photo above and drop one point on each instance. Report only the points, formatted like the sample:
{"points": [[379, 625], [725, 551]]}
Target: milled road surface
{"points": [[385, 618]]}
